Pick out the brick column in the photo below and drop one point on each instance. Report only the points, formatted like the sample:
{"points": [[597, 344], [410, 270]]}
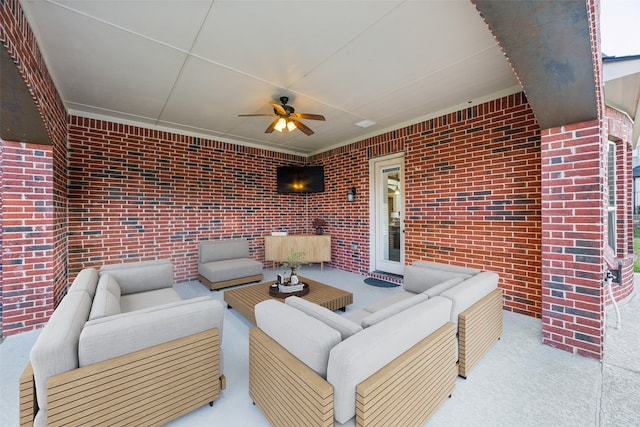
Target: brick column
{"points": [[26, 187], [573, 238]]}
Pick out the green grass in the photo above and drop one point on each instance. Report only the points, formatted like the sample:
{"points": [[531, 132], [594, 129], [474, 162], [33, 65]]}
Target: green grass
{"points": [[636, 249]]}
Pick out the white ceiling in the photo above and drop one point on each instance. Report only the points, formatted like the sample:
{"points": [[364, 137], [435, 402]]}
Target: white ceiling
{"points": [[194, 66]]}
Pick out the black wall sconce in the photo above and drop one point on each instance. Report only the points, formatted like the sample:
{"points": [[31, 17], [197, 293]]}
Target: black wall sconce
{"points": [[351, 195]]}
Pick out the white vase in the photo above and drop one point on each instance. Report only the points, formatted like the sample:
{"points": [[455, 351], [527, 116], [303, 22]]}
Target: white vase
{"points": [[294, 279]]}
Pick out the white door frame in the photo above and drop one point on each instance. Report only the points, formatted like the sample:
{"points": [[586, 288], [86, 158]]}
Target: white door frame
{"points": [[374, 245]]}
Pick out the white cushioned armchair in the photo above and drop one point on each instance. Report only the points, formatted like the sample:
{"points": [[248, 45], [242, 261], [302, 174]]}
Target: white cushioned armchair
{"points": [[225, 262]]}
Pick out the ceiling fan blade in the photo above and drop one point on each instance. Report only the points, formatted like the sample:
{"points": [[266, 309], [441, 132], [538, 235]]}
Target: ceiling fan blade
{"points": [[257, 115], [272, 126], [279, 108], [302, 127], [308, 116]]}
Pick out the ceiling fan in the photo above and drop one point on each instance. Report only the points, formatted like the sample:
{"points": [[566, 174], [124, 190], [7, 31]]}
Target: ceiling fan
{"points": [[287, 118]]}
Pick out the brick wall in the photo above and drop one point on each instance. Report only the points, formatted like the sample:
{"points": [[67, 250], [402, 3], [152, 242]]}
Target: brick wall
{"points": [[26, 191], [139, 194], [573, 226], [472, 189], [347, 167], [18, 40], [473, 185]]}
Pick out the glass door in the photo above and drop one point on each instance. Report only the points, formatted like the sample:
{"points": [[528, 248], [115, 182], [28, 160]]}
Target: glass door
{"points": [[388, 212]]}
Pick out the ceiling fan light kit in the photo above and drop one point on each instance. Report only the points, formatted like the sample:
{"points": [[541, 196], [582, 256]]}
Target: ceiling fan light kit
{"points": [[287, 118], [280, 125], [284, 125]]}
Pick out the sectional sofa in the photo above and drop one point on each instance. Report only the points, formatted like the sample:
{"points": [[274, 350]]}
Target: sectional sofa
{"points": [[391, 363], [122, 347], [476, 305]]}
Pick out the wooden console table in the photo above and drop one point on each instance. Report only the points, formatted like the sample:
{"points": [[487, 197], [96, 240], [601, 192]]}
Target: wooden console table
{"points": [[316, 247]]}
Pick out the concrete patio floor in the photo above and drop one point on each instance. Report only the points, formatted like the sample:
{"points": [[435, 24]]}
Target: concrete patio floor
{"points": [[519, 382]]}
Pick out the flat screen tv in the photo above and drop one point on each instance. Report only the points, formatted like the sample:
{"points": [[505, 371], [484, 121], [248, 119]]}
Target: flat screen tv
{"points": [[300, 179]]}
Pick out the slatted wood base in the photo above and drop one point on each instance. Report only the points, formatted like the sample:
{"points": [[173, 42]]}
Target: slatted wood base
{"points": [[246, 298], [147, 387], [27, 397], [412, 387], [228, 283], [287, 391], [478, 328]]}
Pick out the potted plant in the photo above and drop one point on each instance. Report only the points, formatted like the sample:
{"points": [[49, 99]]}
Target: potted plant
{"points": [[294, 262], [319, 224]]}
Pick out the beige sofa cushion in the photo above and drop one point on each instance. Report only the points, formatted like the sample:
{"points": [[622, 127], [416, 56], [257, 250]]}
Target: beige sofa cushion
{"points": [[219, 250], [307, 338], [85, 281], [441, 287], [106, 302], [218, 271], [395, 308], [467, 293], [56, 349], [148, 299], [390, 300], [341, 324], [40, 419], [446, 267], [420, 279], [358, 357], [110, 284], [356, 316], [125, 333], [142, 276]]}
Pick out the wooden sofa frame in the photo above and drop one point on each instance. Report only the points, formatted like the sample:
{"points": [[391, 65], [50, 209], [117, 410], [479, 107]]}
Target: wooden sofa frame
{"points": [[231, 282], [151, 386], [479, 327], [407, 391]]}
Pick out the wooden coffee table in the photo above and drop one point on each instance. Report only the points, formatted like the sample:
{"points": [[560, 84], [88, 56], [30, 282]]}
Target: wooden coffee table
{"points": [[245, 299]]}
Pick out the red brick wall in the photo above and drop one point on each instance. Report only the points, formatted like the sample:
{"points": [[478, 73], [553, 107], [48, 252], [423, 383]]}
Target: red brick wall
{"points": [[26, 191], [347, 167], [573, 226], [473, 185], [138, 194], [18, 40], [472, 189]]}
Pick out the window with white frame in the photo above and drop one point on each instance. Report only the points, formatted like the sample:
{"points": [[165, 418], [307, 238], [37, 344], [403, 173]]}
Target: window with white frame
{"points": [[611, 208]]}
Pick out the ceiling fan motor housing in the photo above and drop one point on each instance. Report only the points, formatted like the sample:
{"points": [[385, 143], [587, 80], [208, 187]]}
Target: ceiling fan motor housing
{"points": [[288, 108]]}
